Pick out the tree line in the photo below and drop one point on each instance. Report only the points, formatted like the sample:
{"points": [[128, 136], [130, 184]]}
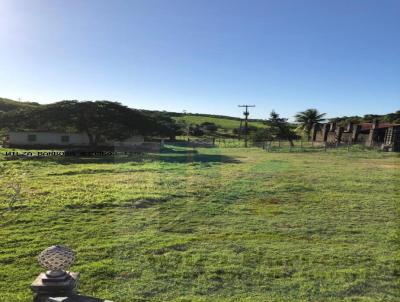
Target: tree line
{"points": [[113, 121]]}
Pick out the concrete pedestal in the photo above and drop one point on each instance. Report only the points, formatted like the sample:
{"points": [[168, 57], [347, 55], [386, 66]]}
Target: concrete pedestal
{"points": [[75, 298], [45, 286]]}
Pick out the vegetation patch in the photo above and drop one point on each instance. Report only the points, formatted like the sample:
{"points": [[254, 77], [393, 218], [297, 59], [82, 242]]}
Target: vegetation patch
{"points": [[217, 224]]}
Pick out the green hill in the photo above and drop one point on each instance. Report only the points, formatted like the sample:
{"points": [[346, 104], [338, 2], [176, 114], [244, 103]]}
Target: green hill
{"points": [[7, 105], [226, 124]]}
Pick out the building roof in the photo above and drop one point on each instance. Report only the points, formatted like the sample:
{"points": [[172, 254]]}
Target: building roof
{"points": [[368, 126]]}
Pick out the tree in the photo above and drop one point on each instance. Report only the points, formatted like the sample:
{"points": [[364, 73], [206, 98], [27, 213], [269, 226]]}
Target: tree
{"points": [[250, 130], [209, 128], [279, 128], [261, 135], [11, 180], [20, 119], [196, 130], [392, 117], [307, 118], [164, 125], [100, 120]]}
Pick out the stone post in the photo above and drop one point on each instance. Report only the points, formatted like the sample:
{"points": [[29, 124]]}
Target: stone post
{"points": [[396, 139], [325, 129], [332, 126], [349, 127], [314, 130], [339, 133], [372, 133], [356, 131]]}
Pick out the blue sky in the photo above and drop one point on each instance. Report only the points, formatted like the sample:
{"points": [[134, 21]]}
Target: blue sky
{"points": [[208, 56]]}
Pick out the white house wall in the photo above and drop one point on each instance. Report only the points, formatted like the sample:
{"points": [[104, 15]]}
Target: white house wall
{"points": [[47, 138], [54, 139]]}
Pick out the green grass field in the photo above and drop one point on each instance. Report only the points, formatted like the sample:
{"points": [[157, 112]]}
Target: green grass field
{"points": [[226, 123], [225, 224]]}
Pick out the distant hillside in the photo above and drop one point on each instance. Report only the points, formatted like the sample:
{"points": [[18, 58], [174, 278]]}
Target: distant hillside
{"points": [[224, 122], [7, 105]]}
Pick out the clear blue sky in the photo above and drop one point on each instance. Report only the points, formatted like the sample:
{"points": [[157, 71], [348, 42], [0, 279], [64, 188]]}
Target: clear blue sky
{"points": [[208, 56]]}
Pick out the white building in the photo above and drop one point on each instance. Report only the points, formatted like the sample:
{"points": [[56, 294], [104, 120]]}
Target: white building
{"points": [[16, 139]]}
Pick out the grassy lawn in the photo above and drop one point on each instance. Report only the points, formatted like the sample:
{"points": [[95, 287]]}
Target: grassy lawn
{"points": [[212, 225]]}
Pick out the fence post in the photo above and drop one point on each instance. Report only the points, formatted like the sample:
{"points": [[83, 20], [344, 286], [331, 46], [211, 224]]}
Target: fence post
{"points": [[325, 143]]}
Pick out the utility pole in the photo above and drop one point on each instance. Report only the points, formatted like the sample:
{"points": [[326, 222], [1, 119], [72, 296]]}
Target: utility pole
{"points": [[240, 130], [246, 116], [187, 125]]}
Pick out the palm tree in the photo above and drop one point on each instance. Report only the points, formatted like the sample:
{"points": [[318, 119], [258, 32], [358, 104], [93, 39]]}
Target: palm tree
{"points": [[307, 118]]}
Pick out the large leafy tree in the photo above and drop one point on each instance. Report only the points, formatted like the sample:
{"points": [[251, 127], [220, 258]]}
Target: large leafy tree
{"points": [[261, 135], [279, 128], [163, 125], [209, 128], [307, 118], [100, 120]]}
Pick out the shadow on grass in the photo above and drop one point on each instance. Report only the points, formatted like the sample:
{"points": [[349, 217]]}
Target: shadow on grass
{"points": [[167, 150], [191, 144], [295, 150], [127, 204], [171, 157], [198, 158]]}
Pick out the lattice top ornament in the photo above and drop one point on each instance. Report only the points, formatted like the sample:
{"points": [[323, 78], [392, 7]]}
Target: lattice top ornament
{"points": [[56, 258]]}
